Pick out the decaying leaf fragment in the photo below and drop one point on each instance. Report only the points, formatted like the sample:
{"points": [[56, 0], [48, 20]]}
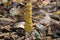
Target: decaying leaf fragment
{"points": [[6, 20], [20, 25]]}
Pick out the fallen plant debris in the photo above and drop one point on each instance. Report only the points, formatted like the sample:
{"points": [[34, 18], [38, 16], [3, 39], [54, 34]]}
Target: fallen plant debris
{"points": [[29, 19]]}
